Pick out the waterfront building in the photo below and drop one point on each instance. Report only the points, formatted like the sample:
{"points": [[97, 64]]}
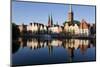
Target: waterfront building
{"points": [[36, 27], [22, 28], [72, 29], [76, 29], [55, 29], [84, 28], [93, 29], [32, 27], [66, 27], [70, 15], [70, 26]]}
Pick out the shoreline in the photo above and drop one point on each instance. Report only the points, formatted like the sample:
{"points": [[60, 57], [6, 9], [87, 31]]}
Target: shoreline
{"points": [[51, 36]]}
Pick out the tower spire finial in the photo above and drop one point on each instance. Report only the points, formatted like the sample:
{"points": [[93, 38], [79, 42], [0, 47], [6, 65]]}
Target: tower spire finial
{"points": [[51, 20], [70, 8]]}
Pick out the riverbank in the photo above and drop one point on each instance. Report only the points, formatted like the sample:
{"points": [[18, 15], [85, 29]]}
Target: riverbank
{"points": [[57, 36]]}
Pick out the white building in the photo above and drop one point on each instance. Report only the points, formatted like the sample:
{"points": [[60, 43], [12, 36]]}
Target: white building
{"points": [[55, 29], [32, 27], [76, 29], [22, 28], [66, 27], [73, 29], [35, 27]]}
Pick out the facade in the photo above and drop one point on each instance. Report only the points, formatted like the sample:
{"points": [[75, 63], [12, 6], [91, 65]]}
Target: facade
{"points": [[36, 27], [72, 29], [66, 27], [55, 29], [84, 28], [22, 28], [32, 27], [76, 29]]}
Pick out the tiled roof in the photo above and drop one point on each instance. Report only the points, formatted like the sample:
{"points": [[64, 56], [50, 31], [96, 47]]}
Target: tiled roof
{"points": [[83, 25]]}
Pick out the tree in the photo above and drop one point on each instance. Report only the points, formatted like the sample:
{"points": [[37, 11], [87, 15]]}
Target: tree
{"points": [[15, 31]]}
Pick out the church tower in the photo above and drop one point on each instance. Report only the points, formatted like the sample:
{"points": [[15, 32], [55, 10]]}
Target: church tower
{"points": [[70, 15], [50, 21]]}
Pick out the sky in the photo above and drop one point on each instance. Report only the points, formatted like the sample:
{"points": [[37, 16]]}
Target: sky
{"points": [[26, 12]]}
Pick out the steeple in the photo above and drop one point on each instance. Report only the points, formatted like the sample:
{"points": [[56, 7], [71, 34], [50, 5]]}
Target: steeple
{"points": [[70, 8], [70, 15], [50, 21]]}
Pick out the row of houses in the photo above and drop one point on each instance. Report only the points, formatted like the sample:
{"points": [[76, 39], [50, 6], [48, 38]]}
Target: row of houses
{"points": [[82, 29]]}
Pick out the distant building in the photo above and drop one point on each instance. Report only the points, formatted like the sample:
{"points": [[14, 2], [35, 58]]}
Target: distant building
{"points": [[36, 27], [93, 29], [70, 16], [76, 29], [66, 27], [72, 29], [50, 21], [32, 27], [70, 26], [84, 28], [22, 28], [55, 29]]}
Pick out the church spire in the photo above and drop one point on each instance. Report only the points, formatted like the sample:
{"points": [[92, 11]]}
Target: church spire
{"points": [[70, 8], [70, 15], [51, 20]]}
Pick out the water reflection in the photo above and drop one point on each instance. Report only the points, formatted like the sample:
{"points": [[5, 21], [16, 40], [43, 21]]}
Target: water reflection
{"points": [[67, 44], [72, 49], [15, 47]]}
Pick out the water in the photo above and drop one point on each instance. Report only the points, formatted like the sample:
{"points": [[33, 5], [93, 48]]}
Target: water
{"points": [[35, 51]]}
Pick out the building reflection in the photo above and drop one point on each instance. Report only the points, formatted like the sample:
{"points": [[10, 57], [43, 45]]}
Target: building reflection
{"points": [[74, 44], [84, 44], [32, 43], [22, 41], [70, 45]]}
